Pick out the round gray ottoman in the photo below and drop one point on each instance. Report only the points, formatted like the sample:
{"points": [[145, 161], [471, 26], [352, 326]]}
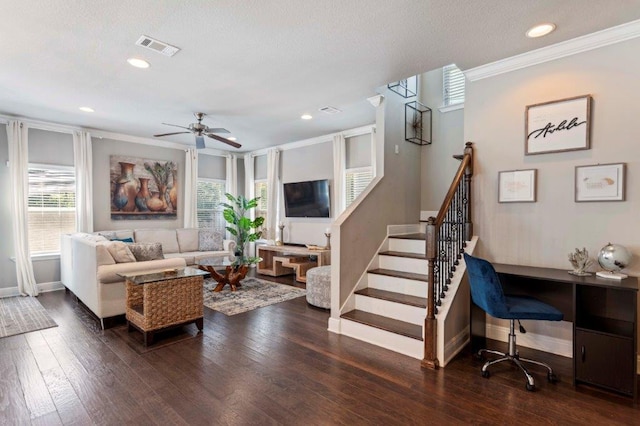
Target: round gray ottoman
{"points": [[319, 286]]}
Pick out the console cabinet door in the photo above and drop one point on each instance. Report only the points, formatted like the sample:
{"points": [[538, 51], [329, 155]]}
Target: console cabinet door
{"points": [[605, 360]]}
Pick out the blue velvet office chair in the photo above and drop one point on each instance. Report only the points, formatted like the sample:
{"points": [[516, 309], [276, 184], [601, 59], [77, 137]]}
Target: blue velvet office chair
{"points": [[487, 293]]}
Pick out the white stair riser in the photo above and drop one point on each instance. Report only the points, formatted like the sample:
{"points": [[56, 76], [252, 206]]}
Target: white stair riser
{"points": [[394, 342], [386, 308], [405, 264], [407, 246], [397, 285]]}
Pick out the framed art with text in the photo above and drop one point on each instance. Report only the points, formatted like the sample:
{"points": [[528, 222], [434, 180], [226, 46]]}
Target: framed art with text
{"points": [[517, 186], [601, 182], [557, 126]]}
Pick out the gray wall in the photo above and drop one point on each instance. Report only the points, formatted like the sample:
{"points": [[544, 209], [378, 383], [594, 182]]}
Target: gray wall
{"points": [[438, 166], [358, 151], [544, 232]]}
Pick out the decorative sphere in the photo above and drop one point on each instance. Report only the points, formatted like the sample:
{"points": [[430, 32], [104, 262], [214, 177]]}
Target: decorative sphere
{"points": [[614, 257]]}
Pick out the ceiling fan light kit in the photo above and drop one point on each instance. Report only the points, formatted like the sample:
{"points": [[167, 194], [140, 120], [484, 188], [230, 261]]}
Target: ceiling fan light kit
{"points": [[200, 131]]}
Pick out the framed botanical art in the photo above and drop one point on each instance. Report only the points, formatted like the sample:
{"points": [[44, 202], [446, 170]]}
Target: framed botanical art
{"points": [[517, 186], [601, 182], [557, 126]]}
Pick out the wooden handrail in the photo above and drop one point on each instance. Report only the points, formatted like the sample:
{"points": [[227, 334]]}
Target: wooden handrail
{"points": [[441, 260]]}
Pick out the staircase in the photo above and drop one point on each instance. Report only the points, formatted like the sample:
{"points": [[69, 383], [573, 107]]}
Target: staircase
{"points": [[390, 310]]}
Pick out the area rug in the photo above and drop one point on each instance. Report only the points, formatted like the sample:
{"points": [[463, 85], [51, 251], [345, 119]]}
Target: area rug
{"points": [[135, 339], [254, 293], [21, 315]]}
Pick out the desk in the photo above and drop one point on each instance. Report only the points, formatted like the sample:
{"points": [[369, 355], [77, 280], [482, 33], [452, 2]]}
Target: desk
{"points": [[604, 317]]}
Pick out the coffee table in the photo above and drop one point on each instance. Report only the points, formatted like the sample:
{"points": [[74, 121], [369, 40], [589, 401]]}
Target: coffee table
{"points": [[162, 300], [223, 271]]}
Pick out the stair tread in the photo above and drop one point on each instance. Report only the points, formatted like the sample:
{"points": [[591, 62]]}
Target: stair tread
{"points": [[400, 274], [391, 296], [403, 254], [384, 323], [414, 236]]}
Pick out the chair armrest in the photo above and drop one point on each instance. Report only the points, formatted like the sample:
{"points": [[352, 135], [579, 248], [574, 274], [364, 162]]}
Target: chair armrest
{"points": [[230, 246]]}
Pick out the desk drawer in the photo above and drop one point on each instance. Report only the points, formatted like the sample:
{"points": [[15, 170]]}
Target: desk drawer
{"points": [[605, 360]]}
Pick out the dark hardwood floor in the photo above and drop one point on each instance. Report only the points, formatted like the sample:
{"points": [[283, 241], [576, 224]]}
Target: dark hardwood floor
{"points": [[274, 365]]}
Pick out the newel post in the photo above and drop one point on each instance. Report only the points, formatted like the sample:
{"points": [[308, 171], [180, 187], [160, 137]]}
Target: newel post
{"points": [[468, 173], [430, 359]]}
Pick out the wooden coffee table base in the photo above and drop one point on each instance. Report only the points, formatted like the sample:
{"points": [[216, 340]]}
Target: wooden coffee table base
{"points": [[231, 276]]}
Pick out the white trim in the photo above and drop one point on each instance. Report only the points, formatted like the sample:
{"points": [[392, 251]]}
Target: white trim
{"points": [[41, 125], [539, 342], [560, 50], [455, 345], [449, 108], [42, 288], [334, 325], [317, 140]]}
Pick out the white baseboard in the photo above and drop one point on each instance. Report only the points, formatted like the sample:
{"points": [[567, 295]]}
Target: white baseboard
{"points": [[334, 325], [455, 345], [42, 288], [539, 342]]}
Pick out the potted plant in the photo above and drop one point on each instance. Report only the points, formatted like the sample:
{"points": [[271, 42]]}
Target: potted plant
{"points": [[240, 225]]}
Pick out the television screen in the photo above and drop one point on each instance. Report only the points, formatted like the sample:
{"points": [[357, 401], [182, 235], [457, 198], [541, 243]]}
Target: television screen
{"points": [[307, 199]]}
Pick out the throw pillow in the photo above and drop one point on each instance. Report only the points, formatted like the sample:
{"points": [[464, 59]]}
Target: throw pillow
{"points": [[124, 240], [120, 252], [209, 240], [146, 251], [110, 235]]}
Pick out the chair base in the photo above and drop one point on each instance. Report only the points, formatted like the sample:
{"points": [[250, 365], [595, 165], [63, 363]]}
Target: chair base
{"points": [[513, 357]]}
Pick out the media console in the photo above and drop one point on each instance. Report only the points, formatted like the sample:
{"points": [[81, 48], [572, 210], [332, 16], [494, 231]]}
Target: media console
{"points": [[604, 317], [289, 259]]}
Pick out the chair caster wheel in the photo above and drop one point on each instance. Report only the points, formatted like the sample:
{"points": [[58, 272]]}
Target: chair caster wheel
{"points": [[552, 378], [486, 374], [529, 387]]}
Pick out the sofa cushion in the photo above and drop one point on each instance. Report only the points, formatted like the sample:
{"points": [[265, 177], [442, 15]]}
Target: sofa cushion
{"points": [[146, 251], [120, 252], [209, 240], [103, 257], [166, 237], [188, 257], [187, 239], [117, 234], [108, 274]]}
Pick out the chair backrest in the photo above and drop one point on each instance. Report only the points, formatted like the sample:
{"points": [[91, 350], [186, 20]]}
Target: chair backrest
{"points": [[486, 289]]}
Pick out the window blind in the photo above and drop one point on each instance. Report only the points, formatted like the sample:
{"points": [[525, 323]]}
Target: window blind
{"points": [[356, 181], [51, 207], [453, 85], [261, 191], [210, 195]]}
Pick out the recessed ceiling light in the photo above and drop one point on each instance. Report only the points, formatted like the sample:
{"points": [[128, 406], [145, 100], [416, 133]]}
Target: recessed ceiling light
{"points": [[138, 63], [306, 117], [86, 109], [232, 138], [540, 30]]}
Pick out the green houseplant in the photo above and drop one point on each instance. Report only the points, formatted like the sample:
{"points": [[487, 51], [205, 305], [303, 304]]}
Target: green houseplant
{"points": [[240, 225]]}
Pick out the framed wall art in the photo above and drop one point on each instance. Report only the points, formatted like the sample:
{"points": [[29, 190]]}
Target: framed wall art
{"points": [[557, 126], [601, 182], [517, 186]]}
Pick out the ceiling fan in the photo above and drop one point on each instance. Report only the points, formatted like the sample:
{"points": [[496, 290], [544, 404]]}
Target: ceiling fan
{"points": [[202, 130]]}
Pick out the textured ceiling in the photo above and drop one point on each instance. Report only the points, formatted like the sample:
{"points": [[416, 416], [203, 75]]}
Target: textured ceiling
{"points": [[254, 66]]}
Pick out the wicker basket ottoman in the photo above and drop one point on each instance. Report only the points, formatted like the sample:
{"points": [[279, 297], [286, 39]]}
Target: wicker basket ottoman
{"points": [[319, 286]]}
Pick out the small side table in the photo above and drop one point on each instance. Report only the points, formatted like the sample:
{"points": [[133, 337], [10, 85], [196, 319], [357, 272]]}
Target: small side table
{"points": [[164, 300]]}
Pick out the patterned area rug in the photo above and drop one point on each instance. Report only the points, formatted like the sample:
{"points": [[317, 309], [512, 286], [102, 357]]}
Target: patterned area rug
{"points": [[21, 315], [254, 293]]}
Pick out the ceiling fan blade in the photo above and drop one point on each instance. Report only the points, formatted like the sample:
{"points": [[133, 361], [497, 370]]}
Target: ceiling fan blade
{"points": [[217, 130], [224, 140], [200, 142], [169, 134], [175, 125]]}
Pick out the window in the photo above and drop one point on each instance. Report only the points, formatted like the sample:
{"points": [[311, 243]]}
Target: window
{"points": [[51, 206], [452, 85], [210, 193], [261, 191], [356, 181]]}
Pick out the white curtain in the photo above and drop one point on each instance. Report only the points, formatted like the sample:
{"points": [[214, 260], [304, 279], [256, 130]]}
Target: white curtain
{"points": [[232, 175], [191, 188], [339, 166], [83, 162], [273, 191], [19, 179], [249, 184]]}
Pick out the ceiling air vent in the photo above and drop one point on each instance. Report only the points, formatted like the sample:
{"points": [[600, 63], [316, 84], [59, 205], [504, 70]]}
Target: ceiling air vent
{"points": [[330, 110], [157, 46]]}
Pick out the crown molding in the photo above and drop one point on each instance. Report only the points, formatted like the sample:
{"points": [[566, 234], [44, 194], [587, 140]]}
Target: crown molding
{"points": [[560, 50]]}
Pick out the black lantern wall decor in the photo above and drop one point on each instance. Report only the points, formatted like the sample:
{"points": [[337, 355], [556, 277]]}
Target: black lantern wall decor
{"points": [[406, 88], [417, 123]]}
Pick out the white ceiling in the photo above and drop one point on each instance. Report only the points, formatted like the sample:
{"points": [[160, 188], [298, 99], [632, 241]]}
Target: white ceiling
{"points": [[254, 66]]}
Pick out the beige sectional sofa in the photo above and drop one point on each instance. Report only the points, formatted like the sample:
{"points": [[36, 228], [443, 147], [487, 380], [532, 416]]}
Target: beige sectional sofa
{"points": [[90, 271]]}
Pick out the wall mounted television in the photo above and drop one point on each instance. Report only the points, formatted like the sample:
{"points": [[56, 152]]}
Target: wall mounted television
{"points": [[307, 199]]}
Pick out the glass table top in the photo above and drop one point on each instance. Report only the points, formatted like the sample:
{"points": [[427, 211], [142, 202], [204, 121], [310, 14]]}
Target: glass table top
{"points": [[159, 276]]}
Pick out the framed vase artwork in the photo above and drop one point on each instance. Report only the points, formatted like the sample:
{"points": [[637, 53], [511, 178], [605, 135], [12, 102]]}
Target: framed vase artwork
{"points": [[517, 186], [558, 126], [601, 182], [143, 189]]}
